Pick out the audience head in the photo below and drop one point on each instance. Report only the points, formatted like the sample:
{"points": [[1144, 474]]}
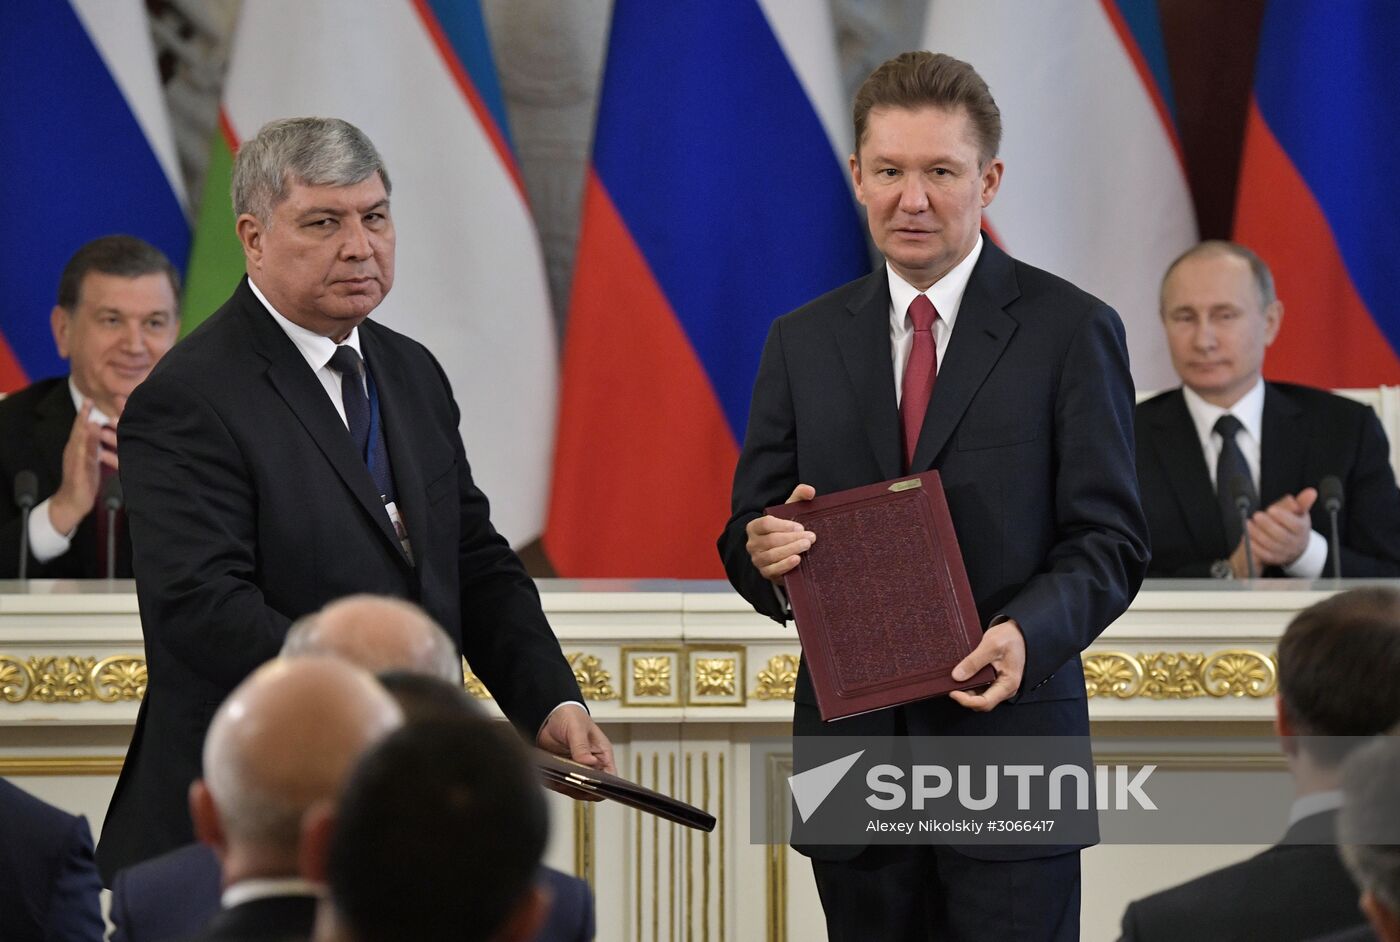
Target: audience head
{"points": [[1220, 314], [1337, 665], [312, 200], [439, 834], [1369, 830], [283, 741], [379, 634], [422, 697], [117, 315]]}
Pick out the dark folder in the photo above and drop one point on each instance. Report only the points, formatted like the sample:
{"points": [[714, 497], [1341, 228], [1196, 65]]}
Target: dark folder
{"points": [[561, 771], [882, 603]]}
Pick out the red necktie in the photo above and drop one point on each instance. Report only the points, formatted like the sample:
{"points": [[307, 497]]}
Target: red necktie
{"points": [[919, 374]]}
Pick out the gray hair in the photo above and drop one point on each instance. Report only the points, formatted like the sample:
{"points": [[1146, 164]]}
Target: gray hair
{"points": [[1263, 278], [1368, 826], [311, 151]]}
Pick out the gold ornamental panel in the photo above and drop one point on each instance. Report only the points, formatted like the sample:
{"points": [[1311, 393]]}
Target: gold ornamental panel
{"points": [[593, 678], [716, 676], [1180, 675], [778, 681], [69, 679], [653, 675]]}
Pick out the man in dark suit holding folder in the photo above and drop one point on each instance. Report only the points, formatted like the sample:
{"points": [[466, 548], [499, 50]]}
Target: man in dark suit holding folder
{"points": [[1014, 385]]}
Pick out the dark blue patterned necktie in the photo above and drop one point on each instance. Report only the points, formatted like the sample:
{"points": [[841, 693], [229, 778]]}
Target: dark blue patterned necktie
{"points": [[351, 368], [1228, 467]]}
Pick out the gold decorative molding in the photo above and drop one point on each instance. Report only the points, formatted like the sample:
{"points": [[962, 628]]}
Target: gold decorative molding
{"points": [[716, 676], [654, 675], [585, 824], [593, 678], [778, 680], [70, 679], [651, 676], [1180, 675], [472, 683], [60, 765]]}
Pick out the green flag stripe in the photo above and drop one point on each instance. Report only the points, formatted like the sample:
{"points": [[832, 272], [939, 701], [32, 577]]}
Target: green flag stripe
{"points": [[216, 258]]}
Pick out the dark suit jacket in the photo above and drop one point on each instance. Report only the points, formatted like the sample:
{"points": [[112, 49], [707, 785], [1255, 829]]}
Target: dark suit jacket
{"points": [[1030, 427], [49, 888], [34, 426], [249, 507], [1307, 434], [176, 894], [269, 919], [1293, 890]]}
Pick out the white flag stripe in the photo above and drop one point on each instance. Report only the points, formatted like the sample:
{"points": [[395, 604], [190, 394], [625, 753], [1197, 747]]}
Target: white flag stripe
{"points": [[1093, 189], [119, 30], [808, 38], [469, 280]]}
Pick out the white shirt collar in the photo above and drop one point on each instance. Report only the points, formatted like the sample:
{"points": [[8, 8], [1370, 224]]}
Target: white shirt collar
{"points": [[1305, 806], [247, 890], [1249, 410], [96, 415], [314, 348], [946, 293]]}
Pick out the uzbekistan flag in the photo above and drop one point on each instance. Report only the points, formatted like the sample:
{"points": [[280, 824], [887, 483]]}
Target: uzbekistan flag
{"points": [[419, 79], [87, 151], [717, 200], [1095, 188], [1318, 197]]}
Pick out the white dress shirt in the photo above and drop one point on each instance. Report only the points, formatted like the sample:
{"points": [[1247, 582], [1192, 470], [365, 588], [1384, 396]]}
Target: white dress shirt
{"points": [[1250, 412], [946, 295]]}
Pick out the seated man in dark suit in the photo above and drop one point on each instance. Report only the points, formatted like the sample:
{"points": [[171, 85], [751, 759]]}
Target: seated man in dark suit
{"points": [[49, 888], [1369, 829], [284, 741], [1337, 664], [1278, 441], [394, 852], [172, 896], [116, 316]]}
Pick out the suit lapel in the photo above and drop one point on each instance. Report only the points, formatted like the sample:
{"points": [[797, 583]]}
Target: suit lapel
{"points": [[980, 334], [393, 381], [1179, 452], [306, 398], [863, 337], [1282, 448]]}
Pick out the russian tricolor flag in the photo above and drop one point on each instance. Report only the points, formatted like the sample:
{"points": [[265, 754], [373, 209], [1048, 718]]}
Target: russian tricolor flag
{"points": [[418, 77], [1318, 198], [86, 148], [717, 200], [1095, 188]]}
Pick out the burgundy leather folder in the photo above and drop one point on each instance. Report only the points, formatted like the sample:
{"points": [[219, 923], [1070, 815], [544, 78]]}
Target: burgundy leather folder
{"points": [[882, 603], [561, 771]]}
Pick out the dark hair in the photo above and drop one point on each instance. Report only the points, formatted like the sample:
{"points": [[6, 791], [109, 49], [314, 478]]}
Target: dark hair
{"points": [[1263, 278], [122, 255], [1338, 662], [919, 79], [439, 833], [423, 697]]}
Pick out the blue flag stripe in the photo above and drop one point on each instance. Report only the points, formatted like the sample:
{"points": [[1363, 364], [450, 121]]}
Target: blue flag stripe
{"points": [[722, 171], [78, 166]]}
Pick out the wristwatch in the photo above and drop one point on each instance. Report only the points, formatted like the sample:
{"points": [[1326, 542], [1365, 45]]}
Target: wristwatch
{"points": [[1221, 569]]}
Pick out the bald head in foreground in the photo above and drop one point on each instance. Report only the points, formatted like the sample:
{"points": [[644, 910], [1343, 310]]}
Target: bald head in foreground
{"points": [[379, 634]]}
